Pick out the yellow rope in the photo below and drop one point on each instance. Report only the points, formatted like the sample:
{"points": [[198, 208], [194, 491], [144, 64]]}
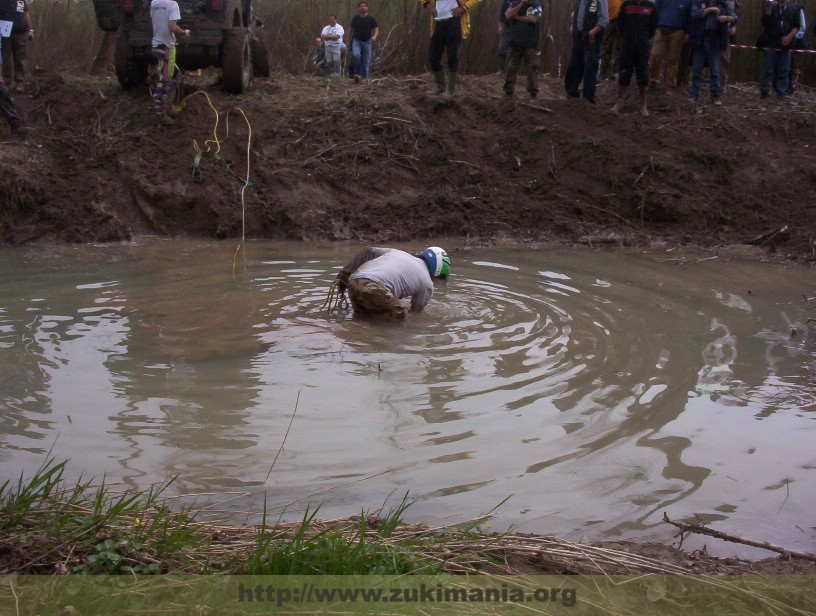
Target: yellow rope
{"points": [[216, 142]]}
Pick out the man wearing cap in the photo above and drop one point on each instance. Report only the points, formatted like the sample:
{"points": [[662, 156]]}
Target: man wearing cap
{"points": [[378, 278]]}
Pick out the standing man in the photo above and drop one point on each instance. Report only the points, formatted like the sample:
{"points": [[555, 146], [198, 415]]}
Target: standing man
{"points": [[363, 33], [7, 107], [524, 25], [332, 36], [611, 50], [725, 58], [15, 44], [781, 21], [798, 45], [637, 23], [504, 35], [589, 18], [672, 32], [450, 21], [710, 23], [164, 14]]}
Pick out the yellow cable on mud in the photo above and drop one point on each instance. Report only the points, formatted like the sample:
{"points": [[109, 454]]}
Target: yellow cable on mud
{"points": [[208, 151]]}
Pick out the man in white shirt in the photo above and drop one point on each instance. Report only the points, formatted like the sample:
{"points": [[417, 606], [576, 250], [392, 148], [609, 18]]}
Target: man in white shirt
{"points": [[332, 36], [164, 15]]}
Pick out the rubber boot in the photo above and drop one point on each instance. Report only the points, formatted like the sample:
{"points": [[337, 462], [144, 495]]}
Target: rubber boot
{"points": [[622, 96], [449, 91], [642, 101], [439, 78]]}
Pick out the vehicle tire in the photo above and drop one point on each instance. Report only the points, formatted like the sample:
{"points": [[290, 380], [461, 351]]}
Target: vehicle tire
{"points": [[260, 59], [236, 60], [129, 71]]}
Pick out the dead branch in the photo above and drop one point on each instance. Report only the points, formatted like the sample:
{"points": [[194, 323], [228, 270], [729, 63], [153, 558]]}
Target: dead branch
{"points": [[763, 239], [536, 107], [704, 530]]}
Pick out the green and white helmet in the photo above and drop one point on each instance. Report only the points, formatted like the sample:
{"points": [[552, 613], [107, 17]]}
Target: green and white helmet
{"points": [[437, 260]]}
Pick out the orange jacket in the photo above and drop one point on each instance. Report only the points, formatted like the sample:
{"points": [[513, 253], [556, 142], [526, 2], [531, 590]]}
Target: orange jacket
{"points": [[614, 8], [468, 4]]}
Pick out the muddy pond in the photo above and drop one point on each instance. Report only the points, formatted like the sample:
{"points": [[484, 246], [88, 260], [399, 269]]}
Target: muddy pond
{"points": [[583, 392]]}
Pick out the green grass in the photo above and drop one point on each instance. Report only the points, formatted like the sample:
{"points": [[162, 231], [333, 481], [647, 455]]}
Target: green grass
{"points": [[327, 552], [51, 527]]}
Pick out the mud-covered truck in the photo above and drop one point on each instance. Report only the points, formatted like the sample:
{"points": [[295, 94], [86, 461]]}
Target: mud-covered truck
{"points": [[223, 33]]}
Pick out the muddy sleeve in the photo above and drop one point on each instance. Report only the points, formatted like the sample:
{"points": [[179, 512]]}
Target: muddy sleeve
{"points": [[421, 298]]}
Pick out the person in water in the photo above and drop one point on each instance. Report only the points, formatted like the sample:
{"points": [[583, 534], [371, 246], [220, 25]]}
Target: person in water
{"points": [[378, 278]]}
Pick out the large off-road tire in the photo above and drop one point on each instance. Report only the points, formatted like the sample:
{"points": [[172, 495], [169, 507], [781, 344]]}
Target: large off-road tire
{"points": [[260, 59], [129, 71], [236, 60]]}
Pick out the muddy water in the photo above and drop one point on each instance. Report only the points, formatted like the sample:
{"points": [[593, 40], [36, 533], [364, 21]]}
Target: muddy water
{"points": [[595, 390]]}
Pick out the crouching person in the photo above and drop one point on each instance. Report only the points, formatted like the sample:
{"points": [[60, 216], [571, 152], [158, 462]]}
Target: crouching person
{"points": [[378, 278]]}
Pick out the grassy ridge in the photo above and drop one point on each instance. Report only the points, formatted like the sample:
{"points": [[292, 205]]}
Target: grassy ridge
{"points": [[48, 527]]}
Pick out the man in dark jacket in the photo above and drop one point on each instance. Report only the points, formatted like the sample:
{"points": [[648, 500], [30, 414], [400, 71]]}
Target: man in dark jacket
{"points": [[781, 21], [589, 19], [711, 21], [524, 24]]}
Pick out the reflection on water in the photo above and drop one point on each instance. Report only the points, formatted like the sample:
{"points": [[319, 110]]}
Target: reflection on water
{"points": [[597, 390]]}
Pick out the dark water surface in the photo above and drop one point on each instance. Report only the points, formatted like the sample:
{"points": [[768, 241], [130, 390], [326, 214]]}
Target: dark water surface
{"points": [[597, 390]]}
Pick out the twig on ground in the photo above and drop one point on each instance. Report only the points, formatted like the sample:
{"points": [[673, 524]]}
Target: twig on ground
{"points": [[704, 530]]}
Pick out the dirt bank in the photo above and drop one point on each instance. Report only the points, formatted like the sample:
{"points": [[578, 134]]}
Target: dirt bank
{"points": [[385, 162]]}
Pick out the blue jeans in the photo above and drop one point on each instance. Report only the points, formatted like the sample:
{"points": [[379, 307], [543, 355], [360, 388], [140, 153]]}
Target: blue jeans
{"points": [[775, 62], [360, 57], [708, 52]]}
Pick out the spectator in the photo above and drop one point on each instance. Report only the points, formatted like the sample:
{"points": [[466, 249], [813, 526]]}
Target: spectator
{"points": [[798, 45], [16, 43], [362, 35], [708, 37], [611, 50], [672, 28], [725, 59], [332, 36], [7, 104], [450, 20], [781, 22], [164, 15], [504, 36], [319, 66], [589, 18], [637, 23], [524, 25]]}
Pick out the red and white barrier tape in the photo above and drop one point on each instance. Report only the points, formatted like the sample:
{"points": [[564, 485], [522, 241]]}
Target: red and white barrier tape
{"points": [[791, 50]]}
